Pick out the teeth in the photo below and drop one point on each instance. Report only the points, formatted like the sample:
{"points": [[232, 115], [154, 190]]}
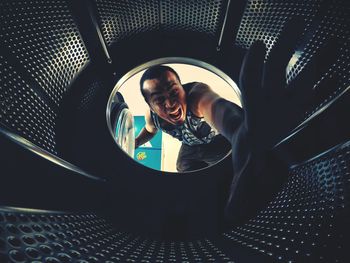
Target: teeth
{"points": [[176, 114]]}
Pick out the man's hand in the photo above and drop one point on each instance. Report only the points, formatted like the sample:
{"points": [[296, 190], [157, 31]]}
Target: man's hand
{"points": [[147, 132], [273, 107], [143, 137]]}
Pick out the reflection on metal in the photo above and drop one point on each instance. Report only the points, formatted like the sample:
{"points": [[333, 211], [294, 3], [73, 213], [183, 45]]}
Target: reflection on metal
{"points": [[93, 16], [125, 132], [295, 131], [315, 114], [29, 210], [41, 152], [293, 60], [335, 148], [223, 25]]}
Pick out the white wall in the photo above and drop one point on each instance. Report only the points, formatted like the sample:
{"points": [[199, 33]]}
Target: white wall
{"points": [[188, 73]]}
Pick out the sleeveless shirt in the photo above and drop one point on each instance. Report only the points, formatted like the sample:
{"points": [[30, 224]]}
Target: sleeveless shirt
{"points": [[193, 131]]}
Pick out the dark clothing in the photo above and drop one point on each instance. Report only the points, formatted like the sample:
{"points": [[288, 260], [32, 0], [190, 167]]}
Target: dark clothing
{"points": [[203, 155], [194, 131]]}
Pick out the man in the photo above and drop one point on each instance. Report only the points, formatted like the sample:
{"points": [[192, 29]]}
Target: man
{"points": [[187, 113], [269, 104]]}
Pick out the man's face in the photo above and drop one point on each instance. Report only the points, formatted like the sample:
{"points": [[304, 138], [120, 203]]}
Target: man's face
{"points": [[167, 98]]}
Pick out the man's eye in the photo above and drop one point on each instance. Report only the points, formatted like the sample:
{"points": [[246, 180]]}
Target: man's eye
{"points": [[173, 93], [159, 101]]}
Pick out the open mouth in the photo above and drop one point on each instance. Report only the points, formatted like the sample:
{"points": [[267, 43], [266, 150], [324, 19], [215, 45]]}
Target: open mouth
{"points": [[176, 115]]}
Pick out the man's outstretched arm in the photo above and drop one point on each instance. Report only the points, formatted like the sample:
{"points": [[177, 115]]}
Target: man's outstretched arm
{"points": [[228, 118], [147, 132], [268, 114], [220, 113]]}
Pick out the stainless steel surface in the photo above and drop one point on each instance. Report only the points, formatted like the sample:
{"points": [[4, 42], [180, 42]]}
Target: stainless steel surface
{"points": [[302, 125], [45, 154], [339, 146]]}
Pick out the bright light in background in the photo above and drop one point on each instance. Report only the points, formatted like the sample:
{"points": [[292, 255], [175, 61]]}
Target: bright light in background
{"points": [[188, 73]]}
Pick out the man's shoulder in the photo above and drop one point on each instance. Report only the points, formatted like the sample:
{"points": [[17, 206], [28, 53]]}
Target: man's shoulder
{"points": [[195, 94], [197, 88], [190, 85], [194, 87]]}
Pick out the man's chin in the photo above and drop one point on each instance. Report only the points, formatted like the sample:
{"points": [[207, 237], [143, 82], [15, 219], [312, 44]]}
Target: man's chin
{"points": [[179, 122]]}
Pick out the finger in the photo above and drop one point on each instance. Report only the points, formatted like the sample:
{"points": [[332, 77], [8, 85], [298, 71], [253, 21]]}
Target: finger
{"points": [[280, 55], [251, 79]]}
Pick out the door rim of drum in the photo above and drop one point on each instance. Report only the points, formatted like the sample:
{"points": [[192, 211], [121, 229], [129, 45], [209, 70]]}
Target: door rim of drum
{"points": [[165, 60]]}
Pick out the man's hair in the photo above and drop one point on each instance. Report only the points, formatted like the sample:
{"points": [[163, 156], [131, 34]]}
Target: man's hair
{"points": [[155, 72]]}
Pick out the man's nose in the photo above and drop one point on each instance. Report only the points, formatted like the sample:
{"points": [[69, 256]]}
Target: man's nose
{"points": [[170, 103]]}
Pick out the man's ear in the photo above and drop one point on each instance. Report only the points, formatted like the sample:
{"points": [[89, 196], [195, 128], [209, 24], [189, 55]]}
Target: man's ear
{"points": [[150, 107], [146, 100]]}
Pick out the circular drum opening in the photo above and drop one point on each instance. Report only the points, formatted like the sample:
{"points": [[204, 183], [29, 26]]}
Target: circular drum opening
{"points": [[159, 125]]}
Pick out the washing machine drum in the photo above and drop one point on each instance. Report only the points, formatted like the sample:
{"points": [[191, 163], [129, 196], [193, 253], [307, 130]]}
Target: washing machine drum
{"points": [[123, 127]]}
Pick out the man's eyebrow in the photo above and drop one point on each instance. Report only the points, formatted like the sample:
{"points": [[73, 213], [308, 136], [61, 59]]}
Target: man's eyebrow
{"points": [[169, 84], [155, 93]]}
